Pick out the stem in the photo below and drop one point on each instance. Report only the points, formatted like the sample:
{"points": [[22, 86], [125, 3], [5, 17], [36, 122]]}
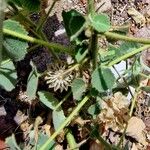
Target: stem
{"points": [[51, 45], [145, 76], [40, 35], [122, 28], [43, 19], [68, 119], [33, 47], [126, 38], [133, 102], [2, 8], [73, 37], [78, 145], [93, 51], [102, 141], [71, 140], [26, 19], [91, 7], [73, 67], [122, 136], [130, 114], [64, 99], [16, 11], [5, 62], [133, 52]]}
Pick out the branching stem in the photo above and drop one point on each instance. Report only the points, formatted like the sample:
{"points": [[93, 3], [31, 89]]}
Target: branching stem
{"points": [[43, 19], [65, 123], [56, 46], [126, 38], [124, 57]]}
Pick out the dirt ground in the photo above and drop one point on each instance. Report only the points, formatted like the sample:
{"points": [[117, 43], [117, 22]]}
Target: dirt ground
{"points": [[14, 105]]}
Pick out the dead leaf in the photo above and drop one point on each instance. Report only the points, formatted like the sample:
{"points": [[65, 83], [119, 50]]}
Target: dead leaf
{"points": [[96, 145], [38, 121], [47, 129], [58, 147], [80, 121], [137, 16], [114, 113], [135, 130], [134, 147]]}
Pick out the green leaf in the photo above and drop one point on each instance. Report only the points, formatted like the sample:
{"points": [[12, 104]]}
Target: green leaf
{"points": [[78, 87], [146, 88], [136, 68], [125, 48], [73, 21], [94, 110], [8, 75], [31, 5], [81, 53], [17, 2], [42, 138], [102, 79], [100, 22], [16, 48], [48, 99], [5, 55], [11, 142], [32, 83], [58, 118], [107, 55]]}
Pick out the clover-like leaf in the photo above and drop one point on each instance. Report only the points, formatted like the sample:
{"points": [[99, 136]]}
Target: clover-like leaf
{"points": [[16, 2], [8, 75], [102, 79], [78, 87], [32, 83], [125, 48], [94, 110], [48, 99], [11, 142], [100, 22], [81, 53], [58, 118], [51, 102], [73, 21], [15, 47], [31, 5]]}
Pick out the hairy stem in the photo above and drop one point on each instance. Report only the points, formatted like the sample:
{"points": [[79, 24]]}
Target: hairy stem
{"points": [[133, 52], [133, 101], [73, 67], [71, 140], [64, 99], [91, 7], [51, 45], [130, 114], [43, 19], [93, 49], [126, 38], [2, 8], [65, 123]]}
